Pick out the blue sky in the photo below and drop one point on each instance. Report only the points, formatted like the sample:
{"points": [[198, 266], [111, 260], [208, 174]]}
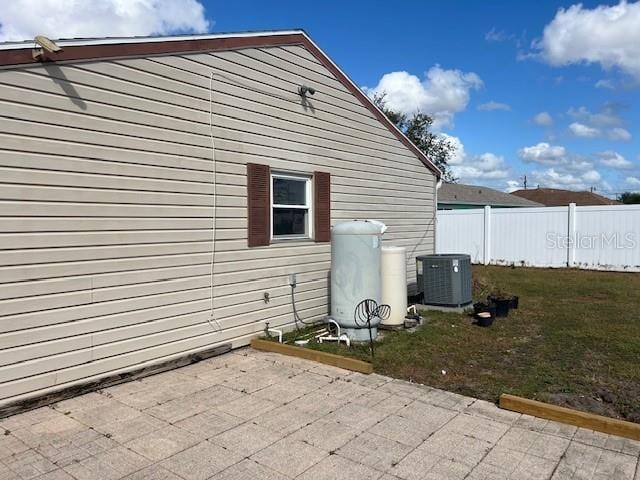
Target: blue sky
{"points": [[489, 39], [523, 88]]}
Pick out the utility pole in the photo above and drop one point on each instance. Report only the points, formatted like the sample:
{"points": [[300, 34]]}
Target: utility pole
{"points": [[525, 182]]}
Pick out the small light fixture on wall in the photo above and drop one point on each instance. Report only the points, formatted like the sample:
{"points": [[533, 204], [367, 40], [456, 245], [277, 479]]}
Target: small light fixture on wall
{"points": [[46, 44], [303, 90]]}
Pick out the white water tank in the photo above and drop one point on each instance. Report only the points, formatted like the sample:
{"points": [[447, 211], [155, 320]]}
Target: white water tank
{"points": [[355, 273], [394, 283]]}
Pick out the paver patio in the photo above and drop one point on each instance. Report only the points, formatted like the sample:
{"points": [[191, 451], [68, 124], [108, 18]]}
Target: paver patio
{"points": [[254, 415]]}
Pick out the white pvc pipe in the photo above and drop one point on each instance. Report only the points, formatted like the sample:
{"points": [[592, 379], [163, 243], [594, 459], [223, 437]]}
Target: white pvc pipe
{"points": [[337, 326], [275, 330], [331, 338], [320, 335], [314, 334]]}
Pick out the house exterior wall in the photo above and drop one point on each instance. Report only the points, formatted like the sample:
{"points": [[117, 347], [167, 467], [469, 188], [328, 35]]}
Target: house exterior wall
{"points": [[106, 205]]}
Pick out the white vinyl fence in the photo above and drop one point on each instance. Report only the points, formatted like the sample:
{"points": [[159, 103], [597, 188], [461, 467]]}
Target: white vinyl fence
{"points": [[601, 237]]}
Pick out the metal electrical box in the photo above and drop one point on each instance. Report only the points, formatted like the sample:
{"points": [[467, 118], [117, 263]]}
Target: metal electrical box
{"points": [[444, 279]]}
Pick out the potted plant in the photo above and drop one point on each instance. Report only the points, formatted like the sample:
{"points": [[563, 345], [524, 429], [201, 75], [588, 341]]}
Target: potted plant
{"points": [[481, 307], [502, 301]]}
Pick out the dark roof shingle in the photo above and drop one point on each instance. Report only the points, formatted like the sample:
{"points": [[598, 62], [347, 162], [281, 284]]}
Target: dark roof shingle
{"points": [[477, 195], [555, 197]]}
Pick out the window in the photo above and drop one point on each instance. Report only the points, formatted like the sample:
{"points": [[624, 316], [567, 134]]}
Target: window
{"points": [[290, 206], [287, 206]]}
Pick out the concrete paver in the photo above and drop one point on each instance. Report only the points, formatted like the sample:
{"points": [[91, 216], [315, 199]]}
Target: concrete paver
{"points": [[584, 461], [546, 426], [209, 423], [375, 451], [124, 431], [246, 439], [336, 467], [327, 435], [290, 457], [110, 465], [249, 470], [163, 443], [153, 472], [256, 415], [201, 461], [403, 430]]}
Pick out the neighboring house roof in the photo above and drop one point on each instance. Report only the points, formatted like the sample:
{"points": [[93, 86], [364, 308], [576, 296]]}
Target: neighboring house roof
{"points": [[21, 53], [555, 197], [457, 193]]}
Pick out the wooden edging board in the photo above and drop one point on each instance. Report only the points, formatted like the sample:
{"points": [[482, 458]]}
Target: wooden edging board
{"points": [[314, 355], [591, 421]]}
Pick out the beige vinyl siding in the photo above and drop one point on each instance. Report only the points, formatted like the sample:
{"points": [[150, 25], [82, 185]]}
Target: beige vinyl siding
{"points": [[106, 205]]}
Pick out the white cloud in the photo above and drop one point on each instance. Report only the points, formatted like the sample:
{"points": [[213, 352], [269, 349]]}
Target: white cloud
{"points": [[564, 169], [555, 156], [494, 35], [513, 185], [24, 19], [441, 93], [619, 133], [544, 154], [591, 176], [632, 181], [543, 119], [608, 84], [460, 154], [607, 35], [471, 168], [557, 178], [606, 122], [487, 166], [493, 105], [582, 130], [606, 117], [613, 159]]}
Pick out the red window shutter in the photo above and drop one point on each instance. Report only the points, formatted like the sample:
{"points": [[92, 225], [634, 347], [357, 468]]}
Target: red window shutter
{"points": [[322, 206], [259, 204]]}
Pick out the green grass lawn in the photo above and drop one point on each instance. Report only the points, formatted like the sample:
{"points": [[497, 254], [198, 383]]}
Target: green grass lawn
{"points": [[574, 341]]}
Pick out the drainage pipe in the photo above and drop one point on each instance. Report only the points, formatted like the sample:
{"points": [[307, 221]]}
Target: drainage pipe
{"points": [[277, 331], [331, 338]]}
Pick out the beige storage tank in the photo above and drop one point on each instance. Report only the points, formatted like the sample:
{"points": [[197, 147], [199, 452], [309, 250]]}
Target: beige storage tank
{"points": [[394, 283]]}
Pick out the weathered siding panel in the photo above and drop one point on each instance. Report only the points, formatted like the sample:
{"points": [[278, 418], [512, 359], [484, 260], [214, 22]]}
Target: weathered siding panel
{"points": [[106, 205]]}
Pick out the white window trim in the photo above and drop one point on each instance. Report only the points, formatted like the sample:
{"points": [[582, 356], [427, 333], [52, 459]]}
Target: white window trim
{"points": [[308, 205]]}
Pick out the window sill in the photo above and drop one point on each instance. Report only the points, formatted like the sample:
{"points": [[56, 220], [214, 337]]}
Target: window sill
{"points": [[292, 240]]}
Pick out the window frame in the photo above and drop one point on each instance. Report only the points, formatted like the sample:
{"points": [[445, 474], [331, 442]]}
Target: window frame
{"points": [[308, 179]]}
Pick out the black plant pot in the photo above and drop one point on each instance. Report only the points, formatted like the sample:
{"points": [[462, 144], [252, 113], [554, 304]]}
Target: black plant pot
{"points": [[513, 302], [484, 319], [502, 305], [484, 307]]}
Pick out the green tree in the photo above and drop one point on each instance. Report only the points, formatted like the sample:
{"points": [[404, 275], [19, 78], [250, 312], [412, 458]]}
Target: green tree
{"points": [[629, 198], [417, 128]]}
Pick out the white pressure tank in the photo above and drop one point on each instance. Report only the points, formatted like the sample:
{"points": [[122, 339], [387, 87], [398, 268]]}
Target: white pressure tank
{"points": [[394, 283], [355, 273]]}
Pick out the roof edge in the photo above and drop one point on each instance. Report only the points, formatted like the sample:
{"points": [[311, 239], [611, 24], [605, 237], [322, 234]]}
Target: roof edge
{"points": [[20, 54], [500, 204], [79, 42]]}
